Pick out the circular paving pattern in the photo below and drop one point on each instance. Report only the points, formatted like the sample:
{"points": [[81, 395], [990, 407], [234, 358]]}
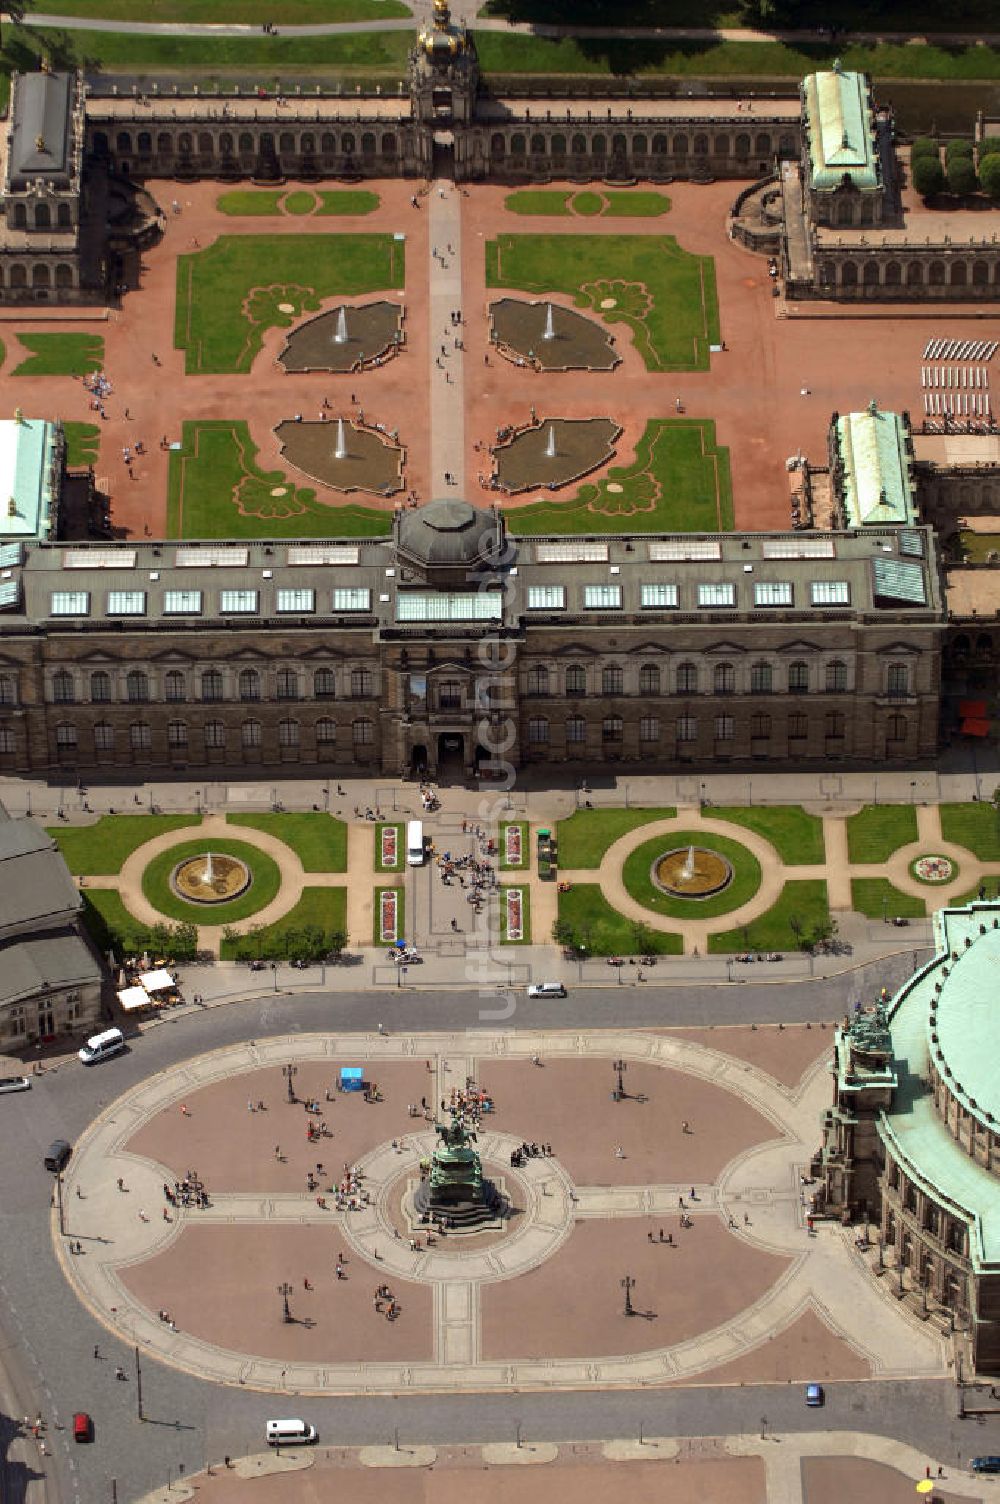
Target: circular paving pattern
{"points": [[734, 890], [254, 874], [692, 872], [934, 869]]}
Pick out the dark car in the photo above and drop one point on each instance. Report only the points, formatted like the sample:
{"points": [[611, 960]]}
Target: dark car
{"points": [[815, 1396], [985, 1464], [83, 1426], [58, 1153]]}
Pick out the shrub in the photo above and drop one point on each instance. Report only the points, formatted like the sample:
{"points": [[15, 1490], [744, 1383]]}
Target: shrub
{"points": [[928, 176], [962, 175], [989, 176], [924, 146], [959, 148], [989, 148]]}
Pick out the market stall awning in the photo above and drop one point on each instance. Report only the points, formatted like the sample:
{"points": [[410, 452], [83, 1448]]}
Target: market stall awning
{"points": [[976, 709], [351, 1078], [973, 727], [157, 981], [133, 998]]}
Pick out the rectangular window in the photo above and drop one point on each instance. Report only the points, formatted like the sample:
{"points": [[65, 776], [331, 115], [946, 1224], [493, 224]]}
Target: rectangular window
{"points": [[602, 597], [485, 605], [238, 602], [363, 733], [717, 595], [295, 600], [66, 736], [7, 743], [773, 593], [659, 595], [685, 550], [251, 734], [181, 602], [200, 555], [126, 602], [538, 729], [288, 733], [70, 603], [576, 729], [571, 553], [323, 553], [797, 727], [140, 737], [177, 734], [352, 600], [104, 738], [830, 593], [546, 597], [649, 729], [798, 548], [687, 728], [215, 734], [724, 728]]}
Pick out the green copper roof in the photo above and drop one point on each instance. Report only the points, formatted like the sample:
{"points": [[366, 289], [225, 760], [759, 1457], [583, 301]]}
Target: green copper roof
{"points": [[968, 1038], [27, 478], [839, 130], [877, 486]]}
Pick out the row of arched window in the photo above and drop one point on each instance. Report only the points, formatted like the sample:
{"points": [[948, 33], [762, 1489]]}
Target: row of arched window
{"points": [[35, 274], [688, 678], [210, 685], [247, 143], [213, 735], [962, 273], [688, 728], [41, 216], [596, 144]]}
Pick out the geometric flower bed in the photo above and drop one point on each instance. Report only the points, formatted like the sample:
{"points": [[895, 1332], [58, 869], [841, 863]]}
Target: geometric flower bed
{"points": [[388, 915], [934, 869], [513, 844], [390, 846], [515, 912]]}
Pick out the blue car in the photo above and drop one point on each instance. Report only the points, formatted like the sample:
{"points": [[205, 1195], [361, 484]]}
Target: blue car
{"points": [[814, 1396], [985, 1464]]}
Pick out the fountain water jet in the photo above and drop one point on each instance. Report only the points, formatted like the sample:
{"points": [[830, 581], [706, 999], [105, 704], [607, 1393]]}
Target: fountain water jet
{"points": [[550, 328], [340, 452], [550, 447], [209, 875], [340, 333], [687, 871]]}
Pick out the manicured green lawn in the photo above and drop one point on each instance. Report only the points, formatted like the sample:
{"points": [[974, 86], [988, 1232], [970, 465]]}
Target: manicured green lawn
{"points": [[400, 915], [251, 202], [525, 913], [588, 203], [513, 53], [878, 898], [525, 861], [215, 489], [319, 909], [662, 293], [400, 848], [594, 924], [634, 204], [99, 850], [852, 15], [538, 201], [111, 926], [319, 841], [878, 830], [583, 838], [60, 354], [975, 826], [300, 202], [353, 56], [639, 884], [157, 891], [991, 886], [240, 286], [679, 482], [347, 201], [796, 836], [236, 12], [802, 909], [83, 443]]}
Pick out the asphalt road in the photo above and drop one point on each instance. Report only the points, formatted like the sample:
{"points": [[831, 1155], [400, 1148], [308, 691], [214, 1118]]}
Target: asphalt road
{"points": [[50, 1338]]}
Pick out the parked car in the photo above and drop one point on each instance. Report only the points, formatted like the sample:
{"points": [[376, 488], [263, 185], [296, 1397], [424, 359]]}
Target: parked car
{"points": [[546, 989], [814, 1396], [985, 1464], [14, 1083], [57, 1154], [83, 1426]]}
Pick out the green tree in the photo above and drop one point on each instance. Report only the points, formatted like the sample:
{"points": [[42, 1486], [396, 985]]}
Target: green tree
{"points": [[643, 939], [563, 932], [962, 178], [989, 176], [336, 941], [924, 146], [959, 148], [928, 176]]}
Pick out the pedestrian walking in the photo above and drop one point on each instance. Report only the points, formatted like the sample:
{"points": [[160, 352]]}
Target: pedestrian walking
{"points": [[184, 1110], [307, 1284], [97, 1353]]}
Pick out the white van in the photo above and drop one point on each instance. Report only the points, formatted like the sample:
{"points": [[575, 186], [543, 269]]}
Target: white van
{"points": [[415, 843], [100, 1046], [290, 1433]]}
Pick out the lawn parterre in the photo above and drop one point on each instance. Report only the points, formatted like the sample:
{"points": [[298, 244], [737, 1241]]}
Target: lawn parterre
{"points": [[312, 928], [583, 838], [397, 865], [665, 295], [269, 203], [319, 841], [240, 286], [83, 444], [589, 924], [640, 886], [99, 850], [262, 891], [525, 893], [975, 826], [60, 354], [628, 204], [522, 827], [358, 57], [216, 489], [800, 916], [878, 830], [796, 836], [678, 482], [877, 898]]}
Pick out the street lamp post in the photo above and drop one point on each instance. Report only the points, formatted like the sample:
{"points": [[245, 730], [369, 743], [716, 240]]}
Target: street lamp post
{"points": [[284, 1290], [274, 974], [628, 1285], [290, 1072], [913, 791], [59, 1203], [138, 1384], [763, 1427], [619, 1066]]}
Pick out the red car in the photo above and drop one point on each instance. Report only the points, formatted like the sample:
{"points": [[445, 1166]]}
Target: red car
{"points": [[83, 1426]]}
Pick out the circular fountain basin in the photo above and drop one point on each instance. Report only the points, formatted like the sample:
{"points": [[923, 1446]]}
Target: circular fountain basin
{"points": [[691, 872], [577, 343], [230, 877], [527, 460], [373, 331]]}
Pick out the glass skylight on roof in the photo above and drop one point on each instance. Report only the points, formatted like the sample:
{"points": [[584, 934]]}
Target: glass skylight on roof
{"points": [[295, 600], [323, 553], [659, 595], [98, 558], [70, 603], [897, 581], [602, 597], [546, 597], [830, 592], [685, 550], [237, 602], [773, 593], [9, 594], [798, 548], [911, 542], [126, 602], [717, 595], [569, 552], [206, 555], [352, 599], [484, 605], [11, 554], [181, 602]]}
